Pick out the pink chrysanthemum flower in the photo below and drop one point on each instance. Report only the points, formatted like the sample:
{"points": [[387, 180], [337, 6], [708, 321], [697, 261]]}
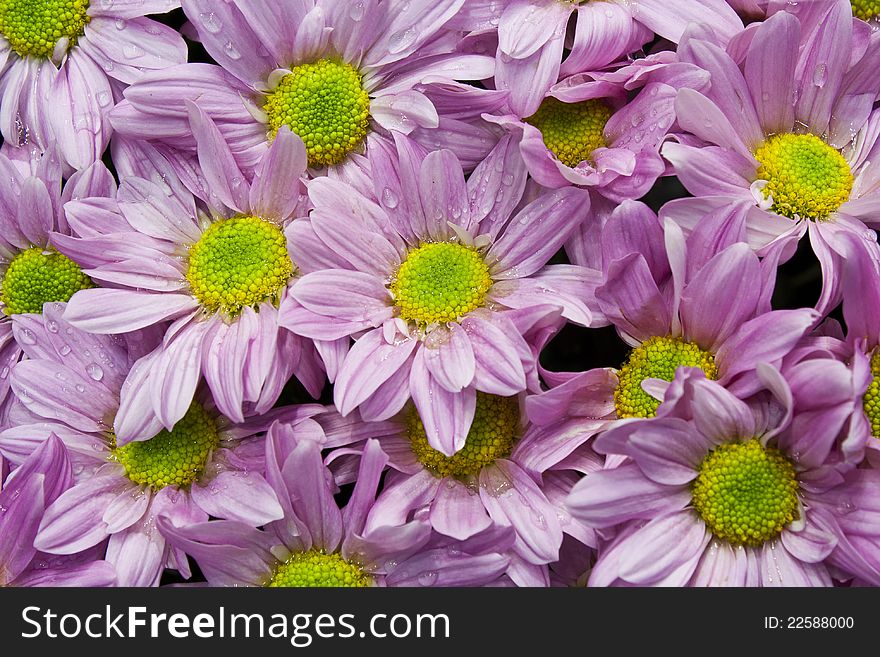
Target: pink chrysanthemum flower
{"points": [[339, 74], [319, 544], [62, 62], [787, 128], [32, 272], [202, 466], [438, 285], [509, 473], [219, 277], [721, 493], [670, 299], [34, 485]]}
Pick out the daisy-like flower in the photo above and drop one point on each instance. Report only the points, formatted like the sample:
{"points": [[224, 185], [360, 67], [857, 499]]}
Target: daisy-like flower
{"points": [[62, 61], [317, 544], [337, 74], [673, 301], [438, 285], [32, 272], [720, 493], [602, 131], [202, 466], [35, 485], [220, 278], [790, 132], [509, 473], [859, 351], [533, 33]]}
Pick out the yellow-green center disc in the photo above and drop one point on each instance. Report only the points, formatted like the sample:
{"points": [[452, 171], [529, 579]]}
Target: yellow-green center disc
{"points": [[806, 178], [746, 493], [494, 432], [440, 282], [35, 277], [572, 131], [865, 9], [326, 105], [239, 262], [34, 27], [656, 358], [172, 458], [314, 569]]}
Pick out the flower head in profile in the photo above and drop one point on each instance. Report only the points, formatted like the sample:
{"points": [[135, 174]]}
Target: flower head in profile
{"points": [[24, 497], [71, 386], [319, 544], [794, 141], [440, 287], [74, 56], [220, 277], [32, 271], [718, 492], [338, 74]]}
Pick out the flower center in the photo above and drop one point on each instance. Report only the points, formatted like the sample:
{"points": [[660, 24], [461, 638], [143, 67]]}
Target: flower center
{"points": [[494, 432], [34, 27], [439, 282], [572, 131], [314, 569], [806, 178], [656, 358], [239, 262], [35, 277], [746, 493], [871, 400], [326, 105], [865, 9], [171, 458]]}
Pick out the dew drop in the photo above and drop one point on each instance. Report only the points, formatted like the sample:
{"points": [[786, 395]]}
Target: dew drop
{"points": [[428, 578], [95, 372], [26, 336]]}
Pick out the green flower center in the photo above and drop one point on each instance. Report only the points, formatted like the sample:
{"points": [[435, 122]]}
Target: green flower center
{"points": [[439, 282], [326, 105], [171, 458], [35, 277], [34, 27], [572, 131], [314, 569], [865, 9], [746, 493], [871, 400], [239, 262], [806, 178], [656, 358], [494, 432]]}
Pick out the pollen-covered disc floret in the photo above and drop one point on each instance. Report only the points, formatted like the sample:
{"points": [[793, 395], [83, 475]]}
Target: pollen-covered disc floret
{"points": [[656, 358], [239, 262], [572, 131], [314, 569], [746, 493], [871, 399], [494, 432], [806, 178], [865, 9], [36, 276], [34, 27], [440, 282], [326, 105], [172, 458]]}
